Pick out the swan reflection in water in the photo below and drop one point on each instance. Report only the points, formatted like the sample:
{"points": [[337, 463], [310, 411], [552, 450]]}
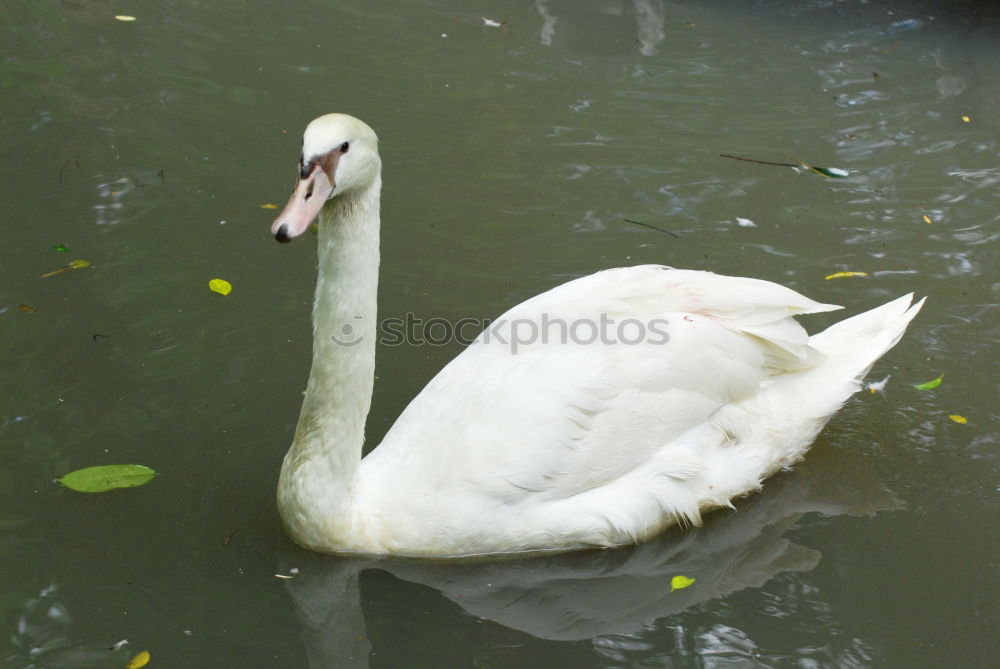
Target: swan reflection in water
{"points": [[591, 594]]}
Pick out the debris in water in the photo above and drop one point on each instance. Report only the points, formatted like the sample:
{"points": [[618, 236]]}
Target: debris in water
{"points": [[76, 264], [103, 478], [220, 286], [930, 385], [651, 227], [140, 660], [875, 387], [828, 172], [844, 275]]}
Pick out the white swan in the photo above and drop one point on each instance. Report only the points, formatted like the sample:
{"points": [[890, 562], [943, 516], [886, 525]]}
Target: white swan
{"points": [[711, 387]]}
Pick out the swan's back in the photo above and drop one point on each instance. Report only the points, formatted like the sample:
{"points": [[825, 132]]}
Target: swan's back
{"points": [[536, 436]]}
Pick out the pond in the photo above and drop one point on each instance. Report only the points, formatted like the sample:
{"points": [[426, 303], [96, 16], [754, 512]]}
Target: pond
{"points": [[524, 144]]}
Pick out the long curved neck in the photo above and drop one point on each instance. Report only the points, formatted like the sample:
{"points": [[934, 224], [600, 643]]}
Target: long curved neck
{"points": [[318, 474]]}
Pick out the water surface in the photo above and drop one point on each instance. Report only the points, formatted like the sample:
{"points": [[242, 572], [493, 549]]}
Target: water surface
{"points": [[512, 156]]}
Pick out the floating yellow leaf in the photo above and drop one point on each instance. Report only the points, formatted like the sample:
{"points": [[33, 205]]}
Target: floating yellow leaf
{"points": [[27, 308], [125, 17], [930, 385], [927, 219], [76, 264], [965, 117], [961, 420], [140, 660], [680, 582], [842, 275], [220, 286], [268, 205]]}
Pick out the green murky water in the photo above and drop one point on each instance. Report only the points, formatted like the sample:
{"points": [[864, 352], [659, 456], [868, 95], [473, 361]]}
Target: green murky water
{"points": [[513, 154]]}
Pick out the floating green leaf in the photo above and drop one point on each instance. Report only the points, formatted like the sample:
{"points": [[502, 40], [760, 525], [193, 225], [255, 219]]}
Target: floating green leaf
{"points": [[62, 248], [680, 582], [930, 385], [220, 286], [107, 477]]}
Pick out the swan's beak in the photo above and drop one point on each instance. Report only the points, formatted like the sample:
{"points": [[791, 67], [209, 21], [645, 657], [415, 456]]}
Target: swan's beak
{"points": [[311, 193]]}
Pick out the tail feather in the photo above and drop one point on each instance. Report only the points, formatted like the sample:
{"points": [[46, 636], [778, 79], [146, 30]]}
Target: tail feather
{"points": [[780, 422], [858, 342]]}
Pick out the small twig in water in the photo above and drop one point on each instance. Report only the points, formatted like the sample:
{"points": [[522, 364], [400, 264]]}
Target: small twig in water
{"points": [[651, 227], [56, 271], [825, 172], [759, 162]]}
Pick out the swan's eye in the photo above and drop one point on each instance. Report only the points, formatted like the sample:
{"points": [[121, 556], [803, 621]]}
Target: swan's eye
{"points": [[344, 147]]}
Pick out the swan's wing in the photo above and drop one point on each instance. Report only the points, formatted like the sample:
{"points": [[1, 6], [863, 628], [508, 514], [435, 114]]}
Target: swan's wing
{"points": [[633, 359], [542, 396], [751, 306]]}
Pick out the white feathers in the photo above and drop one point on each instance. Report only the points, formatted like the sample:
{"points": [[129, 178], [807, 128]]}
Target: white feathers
{"points": [[563, 441]]}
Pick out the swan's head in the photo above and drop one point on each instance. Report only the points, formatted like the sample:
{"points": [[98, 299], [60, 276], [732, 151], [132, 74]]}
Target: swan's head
{"points": [[339, 156]]}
